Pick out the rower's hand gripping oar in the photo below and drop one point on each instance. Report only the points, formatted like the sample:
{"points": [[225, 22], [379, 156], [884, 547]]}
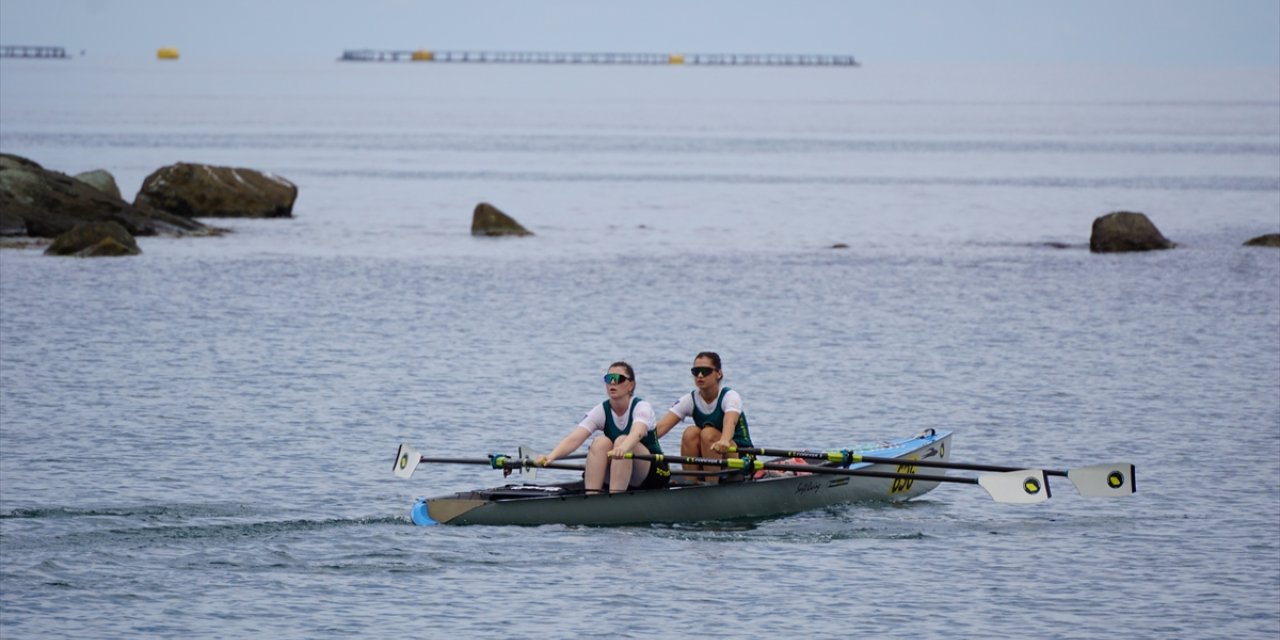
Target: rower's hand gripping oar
{"points": [[408, 459], [1022, 486], [1110, 480]]}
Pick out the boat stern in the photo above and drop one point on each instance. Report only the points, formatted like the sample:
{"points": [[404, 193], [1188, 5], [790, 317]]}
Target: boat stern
{"points": [[930, 444]]}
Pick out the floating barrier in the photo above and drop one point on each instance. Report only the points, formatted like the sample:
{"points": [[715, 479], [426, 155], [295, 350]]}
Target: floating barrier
{"points": [[30, 51], [542, 57], [166, 53]]}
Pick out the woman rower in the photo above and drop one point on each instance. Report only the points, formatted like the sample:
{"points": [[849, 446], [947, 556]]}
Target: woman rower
{"points": [[623, 422], [718, 420]]}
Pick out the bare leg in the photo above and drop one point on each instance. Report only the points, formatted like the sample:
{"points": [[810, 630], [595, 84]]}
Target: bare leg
{"points": [[691, 446], [597, 464], [638, 470], [708, 437]]}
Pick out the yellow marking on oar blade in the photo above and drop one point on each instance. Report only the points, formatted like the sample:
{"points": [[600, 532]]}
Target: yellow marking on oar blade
{"points": [[1023, 486], [406, 461], [1104, 480]]}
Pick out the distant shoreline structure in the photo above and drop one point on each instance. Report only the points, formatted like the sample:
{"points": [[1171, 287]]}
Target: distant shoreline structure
{"points": [[32, 51], [542, 57]]}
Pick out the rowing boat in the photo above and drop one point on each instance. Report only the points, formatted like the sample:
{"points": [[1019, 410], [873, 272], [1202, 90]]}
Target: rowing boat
{"points": [[760, 495]]}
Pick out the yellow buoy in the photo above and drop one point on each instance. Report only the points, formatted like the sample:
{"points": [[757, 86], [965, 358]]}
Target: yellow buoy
{"points": [[166, 53], [676, 59], [422, 55]]}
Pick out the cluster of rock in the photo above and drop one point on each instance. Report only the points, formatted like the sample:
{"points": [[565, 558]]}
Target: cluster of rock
{"points": [[87, 216], [1122, 231], [40, 203]]}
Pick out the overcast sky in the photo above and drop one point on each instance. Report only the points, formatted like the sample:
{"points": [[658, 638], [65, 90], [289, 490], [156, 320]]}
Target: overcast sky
{"points": [[1175, 32]]}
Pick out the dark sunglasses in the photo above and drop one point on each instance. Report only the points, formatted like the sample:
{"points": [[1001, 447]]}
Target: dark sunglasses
{"points": [[615, 378], [701, 372]]}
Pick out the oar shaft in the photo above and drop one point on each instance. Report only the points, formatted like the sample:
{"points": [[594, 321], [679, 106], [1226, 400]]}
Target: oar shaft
{"points": [[435, 460], [851, 457], [503, 463], [922, 477], [739, 463], [516, 465]]}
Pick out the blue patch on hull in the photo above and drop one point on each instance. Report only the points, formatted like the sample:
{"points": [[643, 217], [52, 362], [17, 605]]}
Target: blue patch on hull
{"points": [[419, 514]]}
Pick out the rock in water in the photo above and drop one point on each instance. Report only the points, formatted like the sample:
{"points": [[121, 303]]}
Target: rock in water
{"points": [[1126, 231], [1268, 240], [94, 240], [489, 221], [102, 180], [45, 204], [11, 224], [205, 191]]}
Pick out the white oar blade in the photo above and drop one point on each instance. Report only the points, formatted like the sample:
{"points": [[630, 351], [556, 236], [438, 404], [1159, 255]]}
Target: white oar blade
{"points": [[1104, 480], [527, 456], [407, 459], [1025, 486]]}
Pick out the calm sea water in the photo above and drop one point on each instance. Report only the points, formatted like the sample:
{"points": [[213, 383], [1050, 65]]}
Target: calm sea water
{"points": [[195, 442]]}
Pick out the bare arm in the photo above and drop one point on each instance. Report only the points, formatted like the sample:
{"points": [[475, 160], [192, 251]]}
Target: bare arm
{"points": [[570, 444], [628, 442], [726, 432], [666, 422]]}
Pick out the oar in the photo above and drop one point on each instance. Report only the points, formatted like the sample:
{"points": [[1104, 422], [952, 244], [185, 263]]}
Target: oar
{"points": [[1099, 480], [1022, 486], [408, 459], [525, 453]]}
